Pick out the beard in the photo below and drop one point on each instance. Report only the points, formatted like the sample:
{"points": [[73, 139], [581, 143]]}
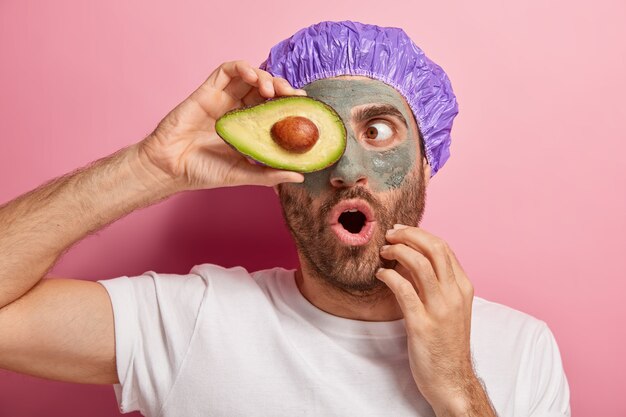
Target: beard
{"points": [[350, 268]]}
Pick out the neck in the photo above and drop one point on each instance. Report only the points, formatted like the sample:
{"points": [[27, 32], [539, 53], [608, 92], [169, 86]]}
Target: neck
{"points": [[378, 306]]}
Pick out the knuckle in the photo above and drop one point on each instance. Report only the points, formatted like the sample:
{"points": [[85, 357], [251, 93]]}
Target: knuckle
{"points": [[445, 312], [456, 301], [440, 245], [264, 73], [220, 70], [421, 263], [431, 283]]}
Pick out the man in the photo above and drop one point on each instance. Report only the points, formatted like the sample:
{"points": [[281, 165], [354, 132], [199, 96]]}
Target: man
{"points": [[380, 318]]}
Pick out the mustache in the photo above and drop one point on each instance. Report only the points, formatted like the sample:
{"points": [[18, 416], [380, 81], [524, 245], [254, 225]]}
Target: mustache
{"points": [[349, 193]]}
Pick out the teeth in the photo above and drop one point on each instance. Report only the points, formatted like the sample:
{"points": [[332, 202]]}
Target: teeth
{"points": [[351, 211]]}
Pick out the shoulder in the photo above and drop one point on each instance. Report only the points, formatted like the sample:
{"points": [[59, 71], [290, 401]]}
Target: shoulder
{"points": [[238, 280], [505, 338], [494, 315], [203, 281], [515, 351], [495, 324], [236, 276]]}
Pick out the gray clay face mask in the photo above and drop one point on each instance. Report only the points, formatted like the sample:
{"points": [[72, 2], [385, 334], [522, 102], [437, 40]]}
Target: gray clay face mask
{"points": [[384, 167]]}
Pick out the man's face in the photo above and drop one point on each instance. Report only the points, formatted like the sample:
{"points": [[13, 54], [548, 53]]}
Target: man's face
{"points": [[339, 216]]}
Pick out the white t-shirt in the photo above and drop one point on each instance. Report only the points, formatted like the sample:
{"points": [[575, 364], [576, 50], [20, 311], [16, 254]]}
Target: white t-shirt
{"points": [[225, 342]]}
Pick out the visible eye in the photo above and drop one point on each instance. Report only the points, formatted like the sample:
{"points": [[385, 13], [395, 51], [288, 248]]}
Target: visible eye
{"points": [[378, 132]]}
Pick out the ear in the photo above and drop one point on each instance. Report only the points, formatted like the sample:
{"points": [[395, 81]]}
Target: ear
{"points": [[426, 170]]}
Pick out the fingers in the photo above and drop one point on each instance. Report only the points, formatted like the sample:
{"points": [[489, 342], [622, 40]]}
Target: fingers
{"points": [[462, 279], [265, 83], [420, 270], [250, 173], [253, 98], [275, 177], [237, 78], [226, 72], [447, 268], [237, 89], [283, 88], [237, 83], [432, 247], [404, 292]]}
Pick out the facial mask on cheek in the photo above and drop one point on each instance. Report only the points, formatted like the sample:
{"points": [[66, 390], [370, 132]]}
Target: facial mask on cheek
{"points": [[389, 168]]}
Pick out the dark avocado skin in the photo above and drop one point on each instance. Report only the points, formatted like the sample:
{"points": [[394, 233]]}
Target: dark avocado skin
{"points": [[286, 160]]}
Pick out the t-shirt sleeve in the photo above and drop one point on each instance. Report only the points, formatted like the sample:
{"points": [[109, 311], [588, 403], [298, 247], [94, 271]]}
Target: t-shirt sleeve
{"points": [[155, 317], [550, 397]]}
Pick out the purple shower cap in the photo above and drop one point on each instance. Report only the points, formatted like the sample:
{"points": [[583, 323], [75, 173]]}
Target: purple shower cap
{"points": [[329, 49]]}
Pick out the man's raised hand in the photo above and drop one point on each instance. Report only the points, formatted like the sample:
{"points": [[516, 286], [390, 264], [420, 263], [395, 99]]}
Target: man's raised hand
{"points": [[185, 152], [435, 296]]}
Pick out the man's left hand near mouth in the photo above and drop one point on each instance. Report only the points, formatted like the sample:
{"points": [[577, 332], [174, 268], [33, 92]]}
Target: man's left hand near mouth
{"points": [[435, 296]]}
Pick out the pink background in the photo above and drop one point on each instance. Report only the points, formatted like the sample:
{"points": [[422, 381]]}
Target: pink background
{"points": [[532, 199]]}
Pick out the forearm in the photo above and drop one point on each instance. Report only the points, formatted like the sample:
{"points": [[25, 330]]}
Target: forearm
{"points": [[37, 227]]}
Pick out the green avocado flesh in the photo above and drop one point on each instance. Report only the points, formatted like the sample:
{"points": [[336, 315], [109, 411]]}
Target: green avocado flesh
{"points": [[248, 131]]}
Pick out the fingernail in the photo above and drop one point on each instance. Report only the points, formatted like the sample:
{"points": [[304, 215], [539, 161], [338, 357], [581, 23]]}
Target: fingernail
{"points": [[384, 247], [268, 85], [300, 91], [399, 226], [391, 232], [379, 270]]}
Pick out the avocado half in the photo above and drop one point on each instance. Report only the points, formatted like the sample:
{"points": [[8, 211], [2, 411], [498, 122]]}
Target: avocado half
{"points": [[248, 130]]}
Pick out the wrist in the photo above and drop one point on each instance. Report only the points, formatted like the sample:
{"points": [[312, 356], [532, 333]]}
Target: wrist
{"points": [[457, 405], [467, 400], [152, 178]]}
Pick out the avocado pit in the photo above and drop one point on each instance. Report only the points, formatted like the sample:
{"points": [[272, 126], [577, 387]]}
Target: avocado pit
{"points": [[295, 134]]}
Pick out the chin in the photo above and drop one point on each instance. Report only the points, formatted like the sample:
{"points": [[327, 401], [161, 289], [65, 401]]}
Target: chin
{"points": [[348, 267]]}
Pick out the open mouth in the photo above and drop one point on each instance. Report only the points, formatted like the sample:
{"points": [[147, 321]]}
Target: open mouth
{"points": [[352, 221]]}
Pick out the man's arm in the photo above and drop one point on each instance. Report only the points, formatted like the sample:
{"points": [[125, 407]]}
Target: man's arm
{"points": [[37, 227], [63, 329]]}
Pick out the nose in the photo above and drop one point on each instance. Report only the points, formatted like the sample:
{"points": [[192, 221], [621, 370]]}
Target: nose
{"points": [[348, 172]]}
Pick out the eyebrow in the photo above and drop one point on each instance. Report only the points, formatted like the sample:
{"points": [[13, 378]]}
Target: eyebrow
{"points": [[365, 113]]}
